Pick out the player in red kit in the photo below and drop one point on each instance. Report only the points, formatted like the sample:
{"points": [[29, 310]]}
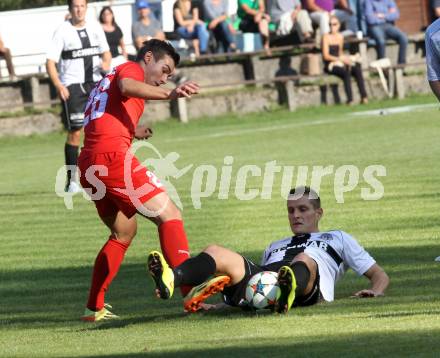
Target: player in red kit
{"points": [[111, 122]]}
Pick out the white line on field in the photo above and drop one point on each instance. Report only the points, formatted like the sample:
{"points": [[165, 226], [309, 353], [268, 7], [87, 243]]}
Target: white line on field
{"points": [[260, 129]]}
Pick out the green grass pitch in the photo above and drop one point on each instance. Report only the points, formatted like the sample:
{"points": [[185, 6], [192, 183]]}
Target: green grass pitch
{"points": [[47, 251]]}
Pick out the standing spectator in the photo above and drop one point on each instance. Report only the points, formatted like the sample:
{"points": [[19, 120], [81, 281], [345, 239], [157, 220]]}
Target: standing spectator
{"points": [[6, 54], [114, 36], [253, 18], [189, 26], [380, 15], [147, 27], [340, 65], [216, 13], [289, 15], [77, 47], [320, 11], [432, 41]]}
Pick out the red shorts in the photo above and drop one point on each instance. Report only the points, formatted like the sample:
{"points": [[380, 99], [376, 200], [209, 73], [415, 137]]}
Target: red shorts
{"points": [[114, 188]]}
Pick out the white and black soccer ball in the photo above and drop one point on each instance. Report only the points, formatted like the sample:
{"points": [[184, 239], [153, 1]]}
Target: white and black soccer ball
{"points": [[262, 290]]}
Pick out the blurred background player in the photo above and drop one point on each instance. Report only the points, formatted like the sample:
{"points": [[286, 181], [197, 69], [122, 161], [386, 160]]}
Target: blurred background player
{"points": [[114, 36], [432, 42], [81, 51], [111, 122], [308, 264]]}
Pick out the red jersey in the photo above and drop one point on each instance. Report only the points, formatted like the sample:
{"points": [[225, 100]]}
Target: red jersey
{"points": [[110, 118]]}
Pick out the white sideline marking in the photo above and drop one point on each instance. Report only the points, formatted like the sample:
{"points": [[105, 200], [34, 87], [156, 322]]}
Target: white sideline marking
{"points": [[394, 110], [260, 129], [346, 117]]}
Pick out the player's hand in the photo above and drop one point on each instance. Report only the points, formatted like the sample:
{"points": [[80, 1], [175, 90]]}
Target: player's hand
{"points": [[184, 90], [143, 132], [367, 294], [63, 92]]}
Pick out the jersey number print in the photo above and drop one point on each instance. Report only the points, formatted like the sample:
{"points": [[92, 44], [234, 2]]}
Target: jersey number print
{"points": [[97, 102]]}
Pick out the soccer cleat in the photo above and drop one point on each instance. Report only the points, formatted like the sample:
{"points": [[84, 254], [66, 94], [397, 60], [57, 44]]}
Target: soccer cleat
{"points": [[198, 294], [286, 293], [73, 188], [162, 274], [102, 315]]}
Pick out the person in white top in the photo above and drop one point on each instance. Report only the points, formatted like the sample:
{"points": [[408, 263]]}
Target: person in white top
{"points": [[81, 52], [309, 264]]}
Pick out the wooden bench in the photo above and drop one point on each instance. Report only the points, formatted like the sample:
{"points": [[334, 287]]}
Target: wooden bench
{"points": [[284, 84]]}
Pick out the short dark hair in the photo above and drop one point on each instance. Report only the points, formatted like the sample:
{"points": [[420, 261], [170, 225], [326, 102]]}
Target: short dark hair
{"points": [[69, 3], [301, 191], [101, 15], [159, 49]]}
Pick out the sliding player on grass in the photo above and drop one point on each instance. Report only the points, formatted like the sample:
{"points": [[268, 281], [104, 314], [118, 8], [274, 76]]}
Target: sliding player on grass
{"points": [[308, 264], [111, 122]]}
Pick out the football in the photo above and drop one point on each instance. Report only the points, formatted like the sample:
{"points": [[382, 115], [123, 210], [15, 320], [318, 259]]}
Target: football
{"points": [[262, 290]]}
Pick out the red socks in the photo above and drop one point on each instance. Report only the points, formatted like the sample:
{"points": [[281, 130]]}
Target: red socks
{"points": [[106, 267], [174, 245]]}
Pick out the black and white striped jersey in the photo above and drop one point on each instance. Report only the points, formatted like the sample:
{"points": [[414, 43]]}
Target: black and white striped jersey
{"points": [[333, 251], [78, 52]]}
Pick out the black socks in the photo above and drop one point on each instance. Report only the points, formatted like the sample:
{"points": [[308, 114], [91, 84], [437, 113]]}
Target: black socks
{"points": [[71, 156], [302, 277], [195, 270]]}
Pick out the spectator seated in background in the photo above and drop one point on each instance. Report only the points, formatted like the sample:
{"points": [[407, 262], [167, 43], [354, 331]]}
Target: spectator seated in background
{"points": [[6, 54], [114, 36], [216, 13], [147, 27], [380, 15], [320, 11], [289, 15], [340, 65], [189, 26], [253, 18], [357, 8]]}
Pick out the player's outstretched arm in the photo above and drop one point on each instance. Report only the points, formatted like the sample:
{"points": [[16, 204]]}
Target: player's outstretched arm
{"points": [[379, 282], [186, 89], [131, 88]]}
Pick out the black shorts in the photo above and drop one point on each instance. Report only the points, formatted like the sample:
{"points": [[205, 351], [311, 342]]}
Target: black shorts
{"points": [[247, 24], [236, 295], [73, 109]]}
